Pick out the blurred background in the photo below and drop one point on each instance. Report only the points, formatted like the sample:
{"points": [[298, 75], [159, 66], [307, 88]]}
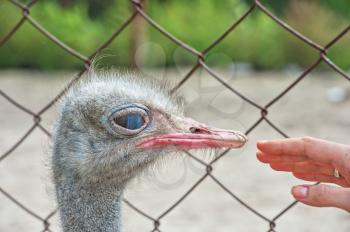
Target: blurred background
{"points": [[259, 59], [84, 24]]}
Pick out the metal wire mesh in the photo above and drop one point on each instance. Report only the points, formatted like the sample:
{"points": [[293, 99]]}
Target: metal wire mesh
{"points": [[201, 63]]}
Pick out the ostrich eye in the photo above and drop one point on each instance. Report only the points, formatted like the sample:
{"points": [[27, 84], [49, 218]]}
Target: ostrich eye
{"points": [[129, 119]]}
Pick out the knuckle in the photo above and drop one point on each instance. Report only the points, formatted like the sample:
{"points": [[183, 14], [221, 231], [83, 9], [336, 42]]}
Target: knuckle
{"points": [[321, 194], [347, 150], [308, 139], [307, 143]]}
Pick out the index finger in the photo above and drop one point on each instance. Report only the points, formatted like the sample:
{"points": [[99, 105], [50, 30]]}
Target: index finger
{"points": [[315, 149]]}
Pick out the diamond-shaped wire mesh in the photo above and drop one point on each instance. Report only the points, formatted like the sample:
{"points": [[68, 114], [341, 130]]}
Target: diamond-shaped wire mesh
{"points": [[201, 63]]}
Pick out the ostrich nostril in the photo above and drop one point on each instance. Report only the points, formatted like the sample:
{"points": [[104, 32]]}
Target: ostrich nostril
{"points": [[197, 130]]}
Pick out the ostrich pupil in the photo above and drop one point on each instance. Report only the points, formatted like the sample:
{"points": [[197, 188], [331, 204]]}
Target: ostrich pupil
{"points": [[131, 121]]}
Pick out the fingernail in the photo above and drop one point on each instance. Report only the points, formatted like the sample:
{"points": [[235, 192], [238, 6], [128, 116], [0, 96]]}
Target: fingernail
{"points": [[300, 192]]}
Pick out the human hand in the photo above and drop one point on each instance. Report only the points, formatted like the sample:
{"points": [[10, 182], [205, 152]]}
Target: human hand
{"points": [[312, 159]]}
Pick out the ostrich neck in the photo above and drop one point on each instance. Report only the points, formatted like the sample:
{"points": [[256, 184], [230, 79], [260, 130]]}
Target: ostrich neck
{"points": [[89, 208]]}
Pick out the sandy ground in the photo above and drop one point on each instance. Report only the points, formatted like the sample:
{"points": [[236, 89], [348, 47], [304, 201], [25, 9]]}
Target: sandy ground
{"points": [[306, 110]]}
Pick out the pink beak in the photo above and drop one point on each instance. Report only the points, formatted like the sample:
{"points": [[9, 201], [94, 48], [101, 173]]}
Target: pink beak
{"points": [[198, 136]]}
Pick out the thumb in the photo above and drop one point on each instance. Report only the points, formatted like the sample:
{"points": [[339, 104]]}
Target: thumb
{"points": [[323, 196]]}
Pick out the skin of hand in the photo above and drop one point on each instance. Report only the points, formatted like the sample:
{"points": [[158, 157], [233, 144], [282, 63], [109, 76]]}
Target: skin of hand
{"points": [[312, 159]]}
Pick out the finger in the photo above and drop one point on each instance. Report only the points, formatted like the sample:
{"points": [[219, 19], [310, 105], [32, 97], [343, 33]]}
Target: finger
{"points": [[321, 178], [316, 149], [323, 196], [266, 158], [303, 167], [281, 147]]}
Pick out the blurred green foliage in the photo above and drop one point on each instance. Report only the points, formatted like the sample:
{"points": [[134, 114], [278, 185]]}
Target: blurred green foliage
{"points": [[258, 40]]}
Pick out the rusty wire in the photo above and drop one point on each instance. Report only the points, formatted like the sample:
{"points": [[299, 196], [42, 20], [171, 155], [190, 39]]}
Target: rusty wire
{"points": [[201, 55]]}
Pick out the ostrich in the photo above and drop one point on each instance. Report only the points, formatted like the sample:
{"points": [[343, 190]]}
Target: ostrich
{"points": [[110, 128]]}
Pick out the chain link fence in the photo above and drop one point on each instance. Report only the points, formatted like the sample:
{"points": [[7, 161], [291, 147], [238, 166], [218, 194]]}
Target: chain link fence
{"points": [[201, 63]]}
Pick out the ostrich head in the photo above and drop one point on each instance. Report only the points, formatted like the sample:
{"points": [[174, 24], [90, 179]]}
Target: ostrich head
{"points": [[112, 126]]}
